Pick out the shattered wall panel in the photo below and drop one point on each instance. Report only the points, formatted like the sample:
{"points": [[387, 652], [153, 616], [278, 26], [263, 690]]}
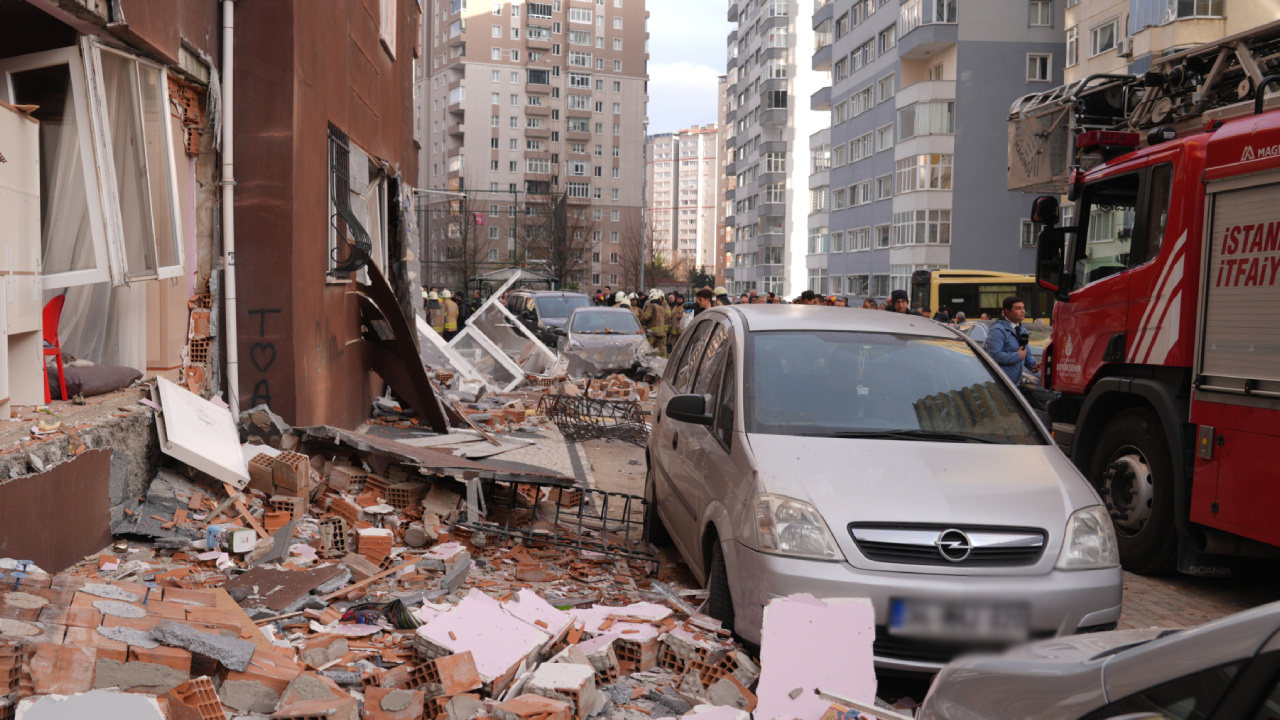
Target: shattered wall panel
{"points": [[59, 516]]}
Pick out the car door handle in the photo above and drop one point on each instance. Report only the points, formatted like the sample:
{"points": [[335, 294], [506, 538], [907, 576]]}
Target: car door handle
{"points": [[675, 440]]}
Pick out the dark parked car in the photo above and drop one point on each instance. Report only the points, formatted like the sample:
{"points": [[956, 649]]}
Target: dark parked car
{"points": [[544, 310]]}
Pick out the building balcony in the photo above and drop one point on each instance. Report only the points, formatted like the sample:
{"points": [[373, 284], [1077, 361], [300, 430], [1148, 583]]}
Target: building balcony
{"points": [[537, 45], [731, 169], [456, 129], [537, 110], [769, 23], [822, 59], [773, 53], [733, 11], [578, 200], [771, 84], [537, 133], [773, 146], [822, 12], [927, 41], [576, 135], [821, 100], [537, 88]]}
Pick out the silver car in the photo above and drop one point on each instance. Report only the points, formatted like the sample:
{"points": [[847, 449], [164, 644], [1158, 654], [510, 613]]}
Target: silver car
{"points": [[851, 453], [600, 327], [1228, 669]]}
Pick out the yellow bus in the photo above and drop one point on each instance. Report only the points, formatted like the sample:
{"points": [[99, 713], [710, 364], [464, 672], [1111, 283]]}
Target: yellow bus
{"points": [[974, 292]]}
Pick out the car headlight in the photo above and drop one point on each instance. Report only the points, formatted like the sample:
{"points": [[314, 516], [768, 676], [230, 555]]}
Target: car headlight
{"points": [[1090, 542], [793, 527]]}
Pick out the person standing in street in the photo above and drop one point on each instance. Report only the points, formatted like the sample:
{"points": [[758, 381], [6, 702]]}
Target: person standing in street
{"points": [[675, 321], [435, 312], [655, 319], [722, 296], [450, 315], [1007, 341], [900, 302], [702, 301]]}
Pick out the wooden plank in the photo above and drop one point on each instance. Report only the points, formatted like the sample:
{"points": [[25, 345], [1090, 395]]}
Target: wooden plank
{"points": [[366, 581]]}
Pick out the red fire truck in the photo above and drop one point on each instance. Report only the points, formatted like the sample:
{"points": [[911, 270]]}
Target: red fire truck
{"points": [[1165, 261]]}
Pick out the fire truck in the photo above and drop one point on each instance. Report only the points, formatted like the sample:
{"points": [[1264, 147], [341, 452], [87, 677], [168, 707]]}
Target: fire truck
{"points": [[1164, 260]]}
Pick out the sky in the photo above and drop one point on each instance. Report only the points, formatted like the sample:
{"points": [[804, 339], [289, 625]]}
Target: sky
{"points": [[686, 57]]}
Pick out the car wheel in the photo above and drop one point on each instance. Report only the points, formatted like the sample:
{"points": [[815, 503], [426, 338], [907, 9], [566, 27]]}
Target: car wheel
{"points": [[658, 534], [1133, 471], [719, 599]]}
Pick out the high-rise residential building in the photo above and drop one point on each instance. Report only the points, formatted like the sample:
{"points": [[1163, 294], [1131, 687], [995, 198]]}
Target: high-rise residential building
{"points": [[769, 122], [683, 195], [1122, 36], [529, 103], [727, 183], [919, 96]]}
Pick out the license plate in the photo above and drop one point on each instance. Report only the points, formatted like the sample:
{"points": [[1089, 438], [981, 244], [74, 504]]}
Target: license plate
{"points": [[960, 621]]}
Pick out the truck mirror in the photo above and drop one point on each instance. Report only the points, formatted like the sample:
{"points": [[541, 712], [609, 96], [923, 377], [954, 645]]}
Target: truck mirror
{"points": [[1049, 259], [1044, 211]]}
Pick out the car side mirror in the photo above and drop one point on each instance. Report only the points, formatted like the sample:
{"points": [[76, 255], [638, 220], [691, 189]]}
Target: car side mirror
{"points": [[558, 331], [689, 409]]}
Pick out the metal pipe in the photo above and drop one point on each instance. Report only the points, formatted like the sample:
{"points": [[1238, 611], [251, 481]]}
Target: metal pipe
{"points": [[1216, 542], [228, 205]]}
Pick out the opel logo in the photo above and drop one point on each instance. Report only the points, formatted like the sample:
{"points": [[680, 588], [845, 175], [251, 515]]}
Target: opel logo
{"points": [[953, 545]]}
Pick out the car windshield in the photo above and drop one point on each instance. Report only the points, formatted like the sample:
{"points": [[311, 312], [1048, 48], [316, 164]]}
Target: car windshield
{"points": [[850, 384], [591, 323], [561, 307]]}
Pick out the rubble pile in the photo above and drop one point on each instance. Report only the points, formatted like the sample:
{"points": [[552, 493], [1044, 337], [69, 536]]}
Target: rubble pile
{"points": [[347, 580]]}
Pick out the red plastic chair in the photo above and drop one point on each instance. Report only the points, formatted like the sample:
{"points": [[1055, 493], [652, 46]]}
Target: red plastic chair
{"points": [[52, 314]]}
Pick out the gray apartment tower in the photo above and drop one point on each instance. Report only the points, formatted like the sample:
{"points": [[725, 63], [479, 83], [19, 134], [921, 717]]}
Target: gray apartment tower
{"points": [[918, 97], [768, 124]]}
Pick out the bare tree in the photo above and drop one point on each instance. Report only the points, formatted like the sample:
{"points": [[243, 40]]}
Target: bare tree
{"points": [[644, 247], [452, 231], [558, 238]]}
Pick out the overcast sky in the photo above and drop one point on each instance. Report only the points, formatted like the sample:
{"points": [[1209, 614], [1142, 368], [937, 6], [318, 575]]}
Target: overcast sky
{"points": [[686, 57]]}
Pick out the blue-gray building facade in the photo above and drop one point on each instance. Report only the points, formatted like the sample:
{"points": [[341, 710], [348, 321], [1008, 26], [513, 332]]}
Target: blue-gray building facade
{"points": [[919, 95]]}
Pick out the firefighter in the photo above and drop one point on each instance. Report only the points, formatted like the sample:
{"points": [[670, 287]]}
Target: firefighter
{"points": [[722, 296], [435, 312], [450, 315], [621, 300], [675, 325], [655, 320]]}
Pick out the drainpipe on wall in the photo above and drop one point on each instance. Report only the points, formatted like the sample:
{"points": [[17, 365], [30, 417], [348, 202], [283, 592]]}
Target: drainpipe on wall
{"points": [[228, 206]]}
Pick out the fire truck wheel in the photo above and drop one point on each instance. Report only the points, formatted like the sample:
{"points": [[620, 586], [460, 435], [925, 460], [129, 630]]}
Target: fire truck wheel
{"points": [[1133, 472]]}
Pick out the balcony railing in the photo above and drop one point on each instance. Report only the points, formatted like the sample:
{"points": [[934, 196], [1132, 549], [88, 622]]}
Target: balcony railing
{"points": [[915, 13]]}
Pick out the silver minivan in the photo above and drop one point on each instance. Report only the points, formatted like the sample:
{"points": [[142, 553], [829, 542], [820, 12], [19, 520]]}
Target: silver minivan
{"points": [[860, 453]]}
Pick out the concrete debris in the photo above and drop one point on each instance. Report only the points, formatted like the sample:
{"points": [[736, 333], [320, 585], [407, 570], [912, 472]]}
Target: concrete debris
{"points": [[399, 575]]}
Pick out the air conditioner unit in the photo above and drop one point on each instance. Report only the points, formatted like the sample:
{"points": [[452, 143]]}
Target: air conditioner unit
{"points": [[1124, 48]]}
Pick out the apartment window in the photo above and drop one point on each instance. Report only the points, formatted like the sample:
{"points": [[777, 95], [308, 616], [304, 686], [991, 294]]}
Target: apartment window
{"points": [[924, 172], [818, 280], [617, 44], [935, 72], [861, 147], [578, 168], [538, 10], [496, 76], [579, 59], [580, 15], [888, 39], [1041, 13], [838, 156], [837, 242], [841, 69], [1103, 37], [884, 87], [884, 138], [1028, 234], [578, 190], [775, 162], [775, 99], [1038, 67], [860, 193], [617, 22], [495, 98], [613, 236], [493, 143], [819, 200], [493, 232], [860, 239], [617, 66], [862, 101], [884, 187], [495, 120], [493, 254], [617, 86], [926, 118], [493, 164], [580, 37], [496, 31], [539, 77], [614, 215], [838, 199], [775, 193], [858, 285], [818, 242], [579, 102], [580, 80], [922, 227]]}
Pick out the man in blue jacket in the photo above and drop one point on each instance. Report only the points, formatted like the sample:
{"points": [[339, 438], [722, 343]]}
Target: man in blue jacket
{"points": [[1006, 343]]}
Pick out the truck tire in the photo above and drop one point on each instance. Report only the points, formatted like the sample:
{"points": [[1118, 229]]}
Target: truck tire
{"points": [[719, 599], [1133, 471], [658, 534]]}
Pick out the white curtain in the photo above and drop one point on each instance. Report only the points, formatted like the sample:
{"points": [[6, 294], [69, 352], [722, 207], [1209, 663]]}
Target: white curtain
{"points": [[104, 325]]}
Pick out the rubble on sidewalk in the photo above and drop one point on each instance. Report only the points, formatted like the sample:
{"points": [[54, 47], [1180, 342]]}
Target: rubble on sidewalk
{"points": [[359, 576]]}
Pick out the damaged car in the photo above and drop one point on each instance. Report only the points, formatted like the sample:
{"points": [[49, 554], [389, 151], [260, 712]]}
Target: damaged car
{"points": [[815, 450], [589, 328]]}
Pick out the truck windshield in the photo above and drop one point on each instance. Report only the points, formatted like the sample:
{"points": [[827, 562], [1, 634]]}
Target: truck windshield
{"points": [[1112, 206], [851, 384]]}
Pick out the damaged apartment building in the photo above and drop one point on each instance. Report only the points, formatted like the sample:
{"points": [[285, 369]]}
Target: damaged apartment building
{"points": [[210, 191]]}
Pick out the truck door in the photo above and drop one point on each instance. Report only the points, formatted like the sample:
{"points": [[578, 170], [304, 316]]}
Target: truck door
{"points": [[1158, 280], [1096, 319]]}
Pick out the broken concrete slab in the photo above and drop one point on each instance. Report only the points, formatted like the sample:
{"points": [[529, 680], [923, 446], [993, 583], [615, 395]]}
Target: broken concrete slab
{"points": [[713, 712], [278, 589], [96, 704], [233, 653], [119, 609], [793, 627], [498, 642], [137, 676], [110, 592], [532, 707], [571, 682]]}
